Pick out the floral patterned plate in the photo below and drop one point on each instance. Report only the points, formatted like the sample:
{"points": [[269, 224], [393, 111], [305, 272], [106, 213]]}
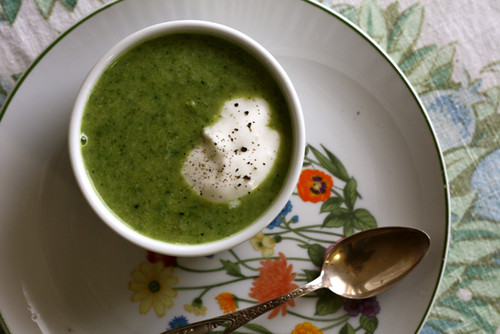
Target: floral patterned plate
{"points": [[371, 160]]}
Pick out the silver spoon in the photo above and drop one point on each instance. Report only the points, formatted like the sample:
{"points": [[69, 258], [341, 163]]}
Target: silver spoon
{"points": [[357, 267]]}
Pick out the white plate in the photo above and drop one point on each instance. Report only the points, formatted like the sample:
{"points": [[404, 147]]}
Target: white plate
{"points": [[64, 271]]}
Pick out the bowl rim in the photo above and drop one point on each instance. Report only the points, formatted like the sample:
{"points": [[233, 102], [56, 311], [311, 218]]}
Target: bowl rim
{"points": [[187, 26]]}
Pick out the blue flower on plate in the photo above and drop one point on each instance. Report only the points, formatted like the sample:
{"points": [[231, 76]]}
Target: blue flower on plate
{"points": [[281, 216], [178, 321], [444, 326], [486, 181], [428, 330], [452, 114]]}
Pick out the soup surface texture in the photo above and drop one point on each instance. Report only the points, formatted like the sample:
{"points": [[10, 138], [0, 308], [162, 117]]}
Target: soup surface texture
{"points": [[146, 114]]}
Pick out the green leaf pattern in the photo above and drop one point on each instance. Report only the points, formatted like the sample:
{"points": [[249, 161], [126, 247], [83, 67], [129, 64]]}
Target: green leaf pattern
{"points": [[332, 313], [328, 303], [232, 268], [347, 329], [468, 297], [10, 8], [340, 207], [45, 7], [372, 21], [316, 253]]}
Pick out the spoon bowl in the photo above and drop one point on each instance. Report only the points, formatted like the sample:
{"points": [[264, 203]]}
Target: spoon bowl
{"points": [[367, 263], [357, 267]]}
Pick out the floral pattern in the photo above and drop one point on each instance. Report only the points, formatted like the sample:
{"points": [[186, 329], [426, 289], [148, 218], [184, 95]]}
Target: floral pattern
{"points": [[340, 203], [465, 116], [196, 307], [282, 216], [462, 112], [227, 302], [153, 287], [269, 276], [368, 307], [10, 9], [275, 278], [178, 321], [314, 185], [306, 328], [167, 261], [263, 243]]}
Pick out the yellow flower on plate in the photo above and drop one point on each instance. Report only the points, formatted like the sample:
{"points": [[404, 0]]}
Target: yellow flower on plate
{"points": [[306, 328], [196, 307], [263, 243], [153, 287]]}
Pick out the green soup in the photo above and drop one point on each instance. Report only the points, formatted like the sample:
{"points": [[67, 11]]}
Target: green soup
{"points": [[147, 112]]}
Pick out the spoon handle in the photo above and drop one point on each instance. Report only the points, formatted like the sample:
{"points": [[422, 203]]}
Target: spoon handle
{"points": [[241, 317]]}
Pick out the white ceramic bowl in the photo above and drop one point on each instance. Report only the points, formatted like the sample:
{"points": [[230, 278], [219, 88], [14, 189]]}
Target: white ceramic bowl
{"points": [[237, 38]]}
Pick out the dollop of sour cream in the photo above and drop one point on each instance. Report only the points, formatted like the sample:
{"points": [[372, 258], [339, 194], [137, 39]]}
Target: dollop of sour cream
{"points": [[237, 152]]}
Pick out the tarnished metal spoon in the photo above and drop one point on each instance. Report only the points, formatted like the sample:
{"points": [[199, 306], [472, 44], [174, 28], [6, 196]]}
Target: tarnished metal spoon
{"points": [[357, 267]]}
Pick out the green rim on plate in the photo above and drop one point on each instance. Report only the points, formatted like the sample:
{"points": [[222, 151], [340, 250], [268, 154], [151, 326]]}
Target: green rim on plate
{"points": [[359, 32]]}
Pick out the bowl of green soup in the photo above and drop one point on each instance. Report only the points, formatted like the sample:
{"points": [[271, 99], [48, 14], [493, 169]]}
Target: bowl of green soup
{"points": [[187, 138]]}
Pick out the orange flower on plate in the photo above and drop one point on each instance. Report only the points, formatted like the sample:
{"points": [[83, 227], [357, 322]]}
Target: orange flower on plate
{"points": [[306, 328], [227, 302], [275, 278], [314, 185]]}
